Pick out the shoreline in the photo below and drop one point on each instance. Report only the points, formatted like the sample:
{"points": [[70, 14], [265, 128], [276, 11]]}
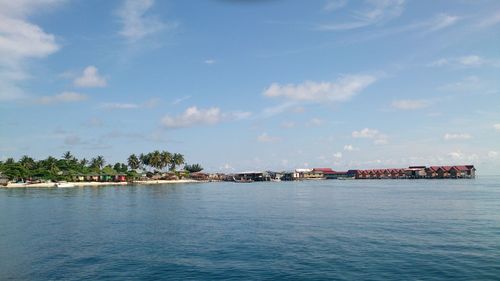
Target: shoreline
{"points": [[97, 184]]}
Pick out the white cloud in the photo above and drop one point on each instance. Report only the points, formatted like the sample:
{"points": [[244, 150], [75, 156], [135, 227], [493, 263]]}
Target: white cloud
{"points": [[63, 97], [209, 61], [332, 5], [315, 122], [492, 20], [341, 90], [467, 84], [90, 78], [119, 105], [461, 136], [277, 109], [350, 147], [442, 21], [472, 60], [136, 23], [193, 116], [456, 155], [337, 155], [227, 167], [21, 40], [23, 8], [366, 133], [150, 103], [465, 61], [439, 62], [461, 156], [181, 99], [410, 104], [497, 126], [264, 137], [376, 12]]}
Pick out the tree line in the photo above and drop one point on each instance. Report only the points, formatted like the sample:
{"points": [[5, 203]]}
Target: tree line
{"points": [[68, 166]]}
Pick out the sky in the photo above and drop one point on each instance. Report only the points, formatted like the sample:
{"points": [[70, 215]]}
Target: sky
{"points": [[254, 85]]}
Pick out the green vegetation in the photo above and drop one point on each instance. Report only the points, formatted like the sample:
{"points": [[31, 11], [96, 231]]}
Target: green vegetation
{"points": [[68, 166], [193, 168]]}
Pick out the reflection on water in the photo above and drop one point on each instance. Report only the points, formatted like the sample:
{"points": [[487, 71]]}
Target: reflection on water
{"points": [[347, 230]]}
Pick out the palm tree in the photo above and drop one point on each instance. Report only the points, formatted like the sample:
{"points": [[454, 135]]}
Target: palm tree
{"points": [[101, 161], [98, 162], [193, 168], [177, 159], [166, 158], [155, 160], [133, 162], [50, 163], [144, 159], [68, 156], [27, 162], [84, 162]]}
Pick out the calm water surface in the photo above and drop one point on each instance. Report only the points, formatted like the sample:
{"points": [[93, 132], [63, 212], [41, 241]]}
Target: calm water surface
{"points": [[337, 230]]}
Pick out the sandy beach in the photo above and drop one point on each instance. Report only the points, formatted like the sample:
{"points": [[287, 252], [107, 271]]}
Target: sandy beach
{"points": [[95, 184]]}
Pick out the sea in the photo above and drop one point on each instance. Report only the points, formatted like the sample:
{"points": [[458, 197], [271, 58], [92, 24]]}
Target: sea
{"points": [[308, 230]]}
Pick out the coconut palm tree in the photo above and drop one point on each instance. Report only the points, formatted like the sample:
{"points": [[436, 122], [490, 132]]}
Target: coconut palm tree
{"points": [[177, 159], [144, 159], [84, 162], [68, 156], [156, 160], [166, 158], [50, 163], [133, 162], [98, 162], [193, 168], [27, 162]]}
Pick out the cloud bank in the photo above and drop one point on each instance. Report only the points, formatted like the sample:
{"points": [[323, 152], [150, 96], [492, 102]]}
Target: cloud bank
{"points": [[340, 90], [21, 40], [194, 116]]}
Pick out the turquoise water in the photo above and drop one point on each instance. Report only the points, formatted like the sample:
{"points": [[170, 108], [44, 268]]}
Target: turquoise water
{"points": [[337, 230]]}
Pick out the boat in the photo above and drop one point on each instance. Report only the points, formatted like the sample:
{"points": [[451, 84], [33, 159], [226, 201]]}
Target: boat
{"points": [[63, 184], [242, 180]]}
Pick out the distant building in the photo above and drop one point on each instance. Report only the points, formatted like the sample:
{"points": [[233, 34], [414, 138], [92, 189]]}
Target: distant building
{"points": [[199, 176], [254, 176], [416, 172], [464, 171], [432, 172]]}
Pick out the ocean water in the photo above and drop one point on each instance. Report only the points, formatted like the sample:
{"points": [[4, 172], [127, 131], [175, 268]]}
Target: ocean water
{"points": [[315, 230]]}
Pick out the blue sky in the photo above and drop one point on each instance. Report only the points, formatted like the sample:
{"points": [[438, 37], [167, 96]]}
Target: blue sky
{"points": [[250, 85]]}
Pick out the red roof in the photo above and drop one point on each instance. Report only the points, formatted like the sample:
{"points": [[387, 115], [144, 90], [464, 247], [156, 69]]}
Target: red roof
{"points": [[446, 168], [461, 168], [324, 170]]}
